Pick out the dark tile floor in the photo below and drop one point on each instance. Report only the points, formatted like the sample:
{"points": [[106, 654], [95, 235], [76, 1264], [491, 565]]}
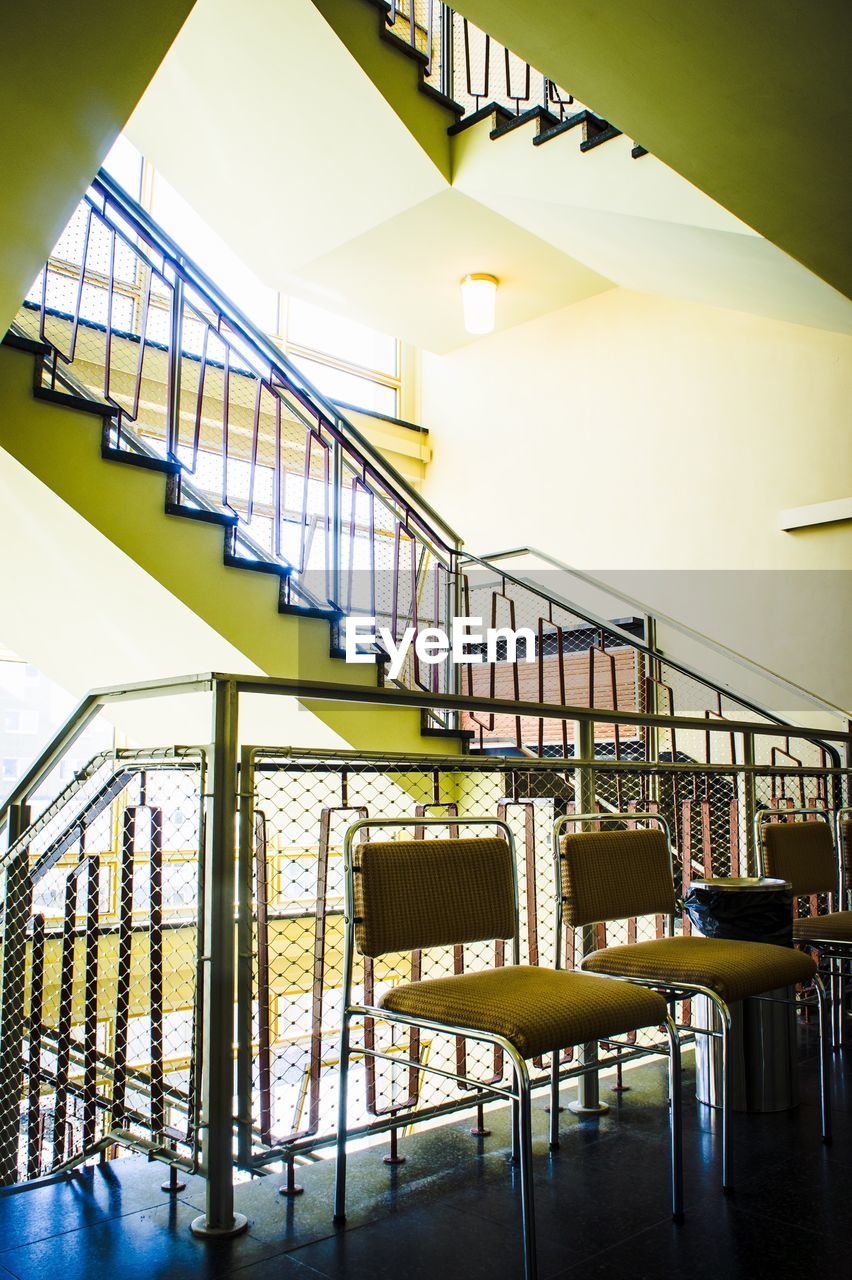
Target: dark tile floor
{"points": [[451, 1212]]}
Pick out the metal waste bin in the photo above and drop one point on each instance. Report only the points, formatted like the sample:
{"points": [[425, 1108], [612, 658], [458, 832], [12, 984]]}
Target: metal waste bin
{"points": [[763, 1048]]}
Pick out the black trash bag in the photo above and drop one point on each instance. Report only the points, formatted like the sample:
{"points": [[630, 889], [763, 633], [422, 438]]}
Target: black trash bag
{"points": [[743, 915]]}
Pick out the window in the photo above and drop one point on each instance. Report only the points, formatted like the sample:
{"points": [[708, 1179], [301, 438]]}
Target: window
{"points": [[10, 770], [124, 163], [16, 721], [213, 255], [347, 361]]}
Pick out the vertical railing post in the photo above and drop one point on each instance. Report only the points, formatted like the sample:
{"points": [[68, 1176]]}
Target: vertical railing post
{"points": [[245, 959], [447, 21], [336, 523], [174, 368], [748, 804], [217, 1097], [13, 964], [456, 611], [588, 1086]]}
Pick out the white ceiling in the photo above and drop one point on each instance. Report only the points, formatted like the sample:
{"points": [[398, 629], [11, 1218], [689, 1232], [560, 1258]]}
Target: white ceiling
{"points": [[291, 153]]}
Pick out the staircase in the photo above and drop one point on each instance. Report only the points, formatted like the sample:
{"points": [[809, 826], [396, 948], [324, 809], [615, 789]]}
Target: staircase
{"points": [[276, 499], [125, 352], [476, 78]]}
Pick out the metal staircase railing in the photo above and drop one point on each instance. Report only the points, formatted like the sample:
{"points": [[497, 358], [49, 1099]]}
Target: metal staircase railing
{"points": [[124, 317], [120, 973], [468, 65], [131, 318]]}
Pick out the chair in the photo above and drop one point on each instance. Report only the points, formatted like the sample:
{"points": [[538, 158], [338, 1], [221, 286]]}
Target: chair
{"points": [[803, 853], [614, 875], [406, 895]]}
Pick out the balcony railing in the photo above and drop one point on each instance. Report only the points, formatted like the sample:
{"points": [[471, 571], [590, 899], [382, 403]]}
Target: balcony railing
{"points": [[130, 1013]]}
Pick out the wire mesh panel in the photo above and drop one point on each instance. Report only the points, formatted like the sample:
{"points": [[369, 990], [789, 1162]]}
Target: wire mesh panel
{"points": [[302, 807], [101, 935]]}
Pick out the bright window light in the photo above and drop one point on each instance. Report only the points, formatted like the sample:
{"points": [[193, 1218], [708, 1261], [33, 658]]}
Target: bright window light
{"points": [[213, 255], [321, 330]]}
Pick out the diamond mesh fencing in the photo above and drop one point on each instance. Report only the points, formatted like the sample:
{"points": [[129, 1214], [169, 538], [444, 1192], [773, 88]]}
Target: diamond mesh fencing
{"points": [[302, 805], [99, 967]]}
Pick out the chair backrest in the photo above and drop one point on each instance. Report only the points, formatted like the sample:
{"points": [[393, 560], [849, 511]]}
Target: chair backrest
{"points": [[801, 852], [432, 893], [609, 875]]}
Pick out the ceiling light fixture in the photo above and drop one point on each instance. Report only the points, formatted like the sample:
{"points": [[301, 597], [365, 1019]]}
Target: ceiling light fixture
{"points": [[479, 302]]}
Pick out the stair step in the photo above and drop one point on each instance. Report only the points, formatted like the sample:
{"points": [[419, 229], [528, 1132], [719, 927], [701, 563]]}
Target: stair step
{"points": [[490, 109], [70, 401], [570, 122], [161, 465], [257, 566], [223, 518], [604, 135], [435, 731], [546, 120], [22, 343], [311, 611], [442, 98]]}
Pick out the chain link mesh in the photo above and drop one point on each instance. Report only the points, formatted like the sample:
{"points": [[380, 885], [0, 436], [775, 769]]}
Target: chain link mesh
{"points": [[302, 808]]}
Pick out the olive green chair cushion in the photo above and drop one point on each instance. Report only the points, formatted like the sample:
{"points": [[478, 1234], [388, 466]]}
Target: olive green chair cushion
{"points": [[801, 852], [536, 1010], [733, 970], [609, 875], [432, 893], [835, 926]]}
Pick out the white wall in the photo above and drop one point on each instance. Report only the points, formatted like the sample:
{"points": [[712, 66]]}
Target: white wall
{"points": [[635, 433]]}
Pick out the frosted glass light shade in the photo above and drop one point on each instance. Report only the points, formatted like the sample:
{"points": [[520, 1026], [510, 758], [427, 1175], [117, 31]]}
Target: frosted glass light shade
{"points": [[479, 302]]}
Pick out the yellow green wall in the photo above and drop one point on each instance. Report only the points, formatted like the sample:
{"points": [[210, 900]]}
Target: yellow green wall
{"points": [[70, 75], [635, 433], [748, 102]]}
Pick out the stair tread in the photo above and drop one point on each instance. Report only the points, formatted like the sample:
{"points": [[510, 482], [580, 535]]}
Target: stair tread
{"points": [[546, 119], [162, 465], [224, 518], [482, 113], [70, 401], [570, 122]]}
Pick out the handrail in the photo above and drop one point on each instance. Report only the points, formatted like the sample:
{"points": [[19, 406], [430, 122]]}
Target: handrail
{"points": [[141, 446], [718, 646], [630, 640], [105, 185], [318, 690]]}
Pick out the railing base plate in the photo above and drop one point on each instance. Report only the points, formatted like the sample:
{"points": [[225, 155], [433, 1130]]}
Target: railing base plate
{"points": [[199, 1227]]}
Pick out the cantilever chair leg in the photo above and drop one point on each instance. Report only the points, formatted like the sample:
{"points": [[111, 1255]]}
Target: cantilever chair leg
{"points": [[342, 1103], [727, 1096], [554, 1101], [824, 1058], [522, 1136], [675, 1118]]}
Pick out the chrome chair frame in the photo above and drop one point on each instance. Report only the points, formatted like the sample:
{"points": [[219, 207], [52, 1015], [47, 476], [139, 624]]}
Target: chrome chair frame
{"points": [[674, 993], [836, 955], [519, 1095]]}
